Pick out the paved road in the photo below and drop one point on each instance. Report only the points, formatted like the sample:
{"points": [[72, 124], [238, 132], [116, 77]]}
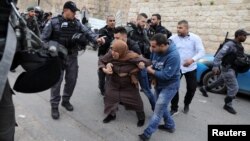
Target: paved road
{"points": [[85, 122]]}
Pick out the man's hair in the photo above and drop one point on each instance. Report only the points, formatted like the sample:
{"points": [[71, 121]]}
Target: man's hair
{"points": [[183, 22], [120, 29], [158, 16], [110, 16], [142, 15], [160, 39]]}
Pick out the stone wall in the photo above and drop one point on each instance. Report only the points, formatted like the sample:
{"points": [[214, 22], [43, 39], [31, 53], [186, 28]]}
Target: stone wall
{"points": [[96, 8], [210, 19]]}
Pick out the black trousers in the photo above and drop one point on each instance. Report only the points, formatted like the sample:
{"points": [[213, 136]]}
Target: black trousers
{"points": [[101, 78], [191, 88]]}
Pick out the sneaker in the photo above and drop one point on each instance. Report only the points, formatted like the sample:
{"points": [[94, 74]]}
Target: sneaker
{"points": [[143, 137], [67, 105], [203, 91], [109, 118], [230, 109], [174, 112], [162, 127], [55, 113], [186, 109]]}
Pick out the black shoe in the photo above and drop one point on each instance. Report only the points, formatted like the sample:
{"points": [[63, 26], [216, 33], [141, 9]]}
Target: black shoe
{"points": [[143, 137], [203, 91], [109, 118], [230, 109], [140, 123], [102, 92], [67, 105], [186, 109], [55, 113], [162, 127], [174, 112]]}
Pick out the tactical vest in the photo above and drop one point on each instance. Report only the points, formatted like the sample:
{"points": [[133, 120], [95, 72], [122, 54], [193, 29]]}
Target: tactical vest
{"points": [[63, 30], [238, 60]]}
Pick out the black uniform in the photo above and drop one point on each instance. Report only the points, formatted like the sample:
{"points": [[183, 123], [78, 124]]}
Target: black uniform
{"points": [[7, 112], [140, 37], [61, 31], [32, 24], [109, 33], [158, 29]]}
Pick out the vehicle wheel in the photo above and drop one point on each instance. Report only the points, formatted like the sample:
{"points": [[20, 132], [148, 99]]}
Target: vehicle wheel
{"points": [[209, 78]]}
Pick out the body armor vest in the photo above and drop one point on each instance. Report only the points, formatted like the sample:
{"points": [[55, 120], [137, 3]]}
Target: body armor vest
{"points": [[63, 30]]}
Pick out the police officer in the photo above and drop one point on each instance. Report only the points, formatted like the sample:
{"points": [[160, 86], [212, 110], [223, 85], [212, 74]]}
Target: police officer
{"points": [[139, 34], [39, 15], [31, 20], [61, 29], [156, 27], [224, 64], [108, 33]]}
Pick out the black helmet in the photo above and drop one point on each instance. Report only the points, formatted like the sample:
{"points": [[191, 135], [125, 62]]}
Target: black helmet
{"points": [[39, 12], [42, 71]]}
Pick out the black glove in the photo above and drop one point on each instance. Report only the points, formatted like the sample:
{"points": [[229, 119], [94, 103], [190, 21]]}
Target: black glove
{"points": [[79, 39]]}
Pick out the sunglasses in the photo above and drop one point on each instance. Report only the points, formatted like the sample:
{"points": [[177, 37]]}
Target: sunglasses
{"points": [[111, 20]]}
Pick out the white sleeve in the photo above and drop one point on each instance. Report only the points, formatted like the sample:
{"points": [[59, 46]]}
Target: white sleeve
{"points": [[200, 50]]}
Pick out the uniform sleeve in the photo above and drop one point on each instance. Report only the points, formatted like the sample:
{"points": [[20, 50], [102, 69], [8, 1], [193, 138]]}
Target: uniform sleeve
{"points": [[47, 30], [199, 49], [222, 52], [91, 36]]}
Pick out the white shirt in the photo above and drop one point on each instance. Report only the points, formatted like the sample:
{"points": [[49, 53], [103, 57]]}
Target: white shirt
{"points": [[189, 47]]}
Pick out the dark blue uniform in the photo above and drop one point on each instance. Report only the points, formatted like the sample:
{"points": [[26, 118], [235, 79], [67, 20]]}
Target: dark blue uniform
{"points": [[61, 30]]}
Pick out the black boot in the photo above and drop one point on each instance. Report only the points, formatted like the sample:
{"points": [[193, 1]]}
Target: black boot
{"points": [[230, 109], [67, 105], [143, 137], [203, 91], [141, 119], [186, 109], [55, 113], [109, 118]]}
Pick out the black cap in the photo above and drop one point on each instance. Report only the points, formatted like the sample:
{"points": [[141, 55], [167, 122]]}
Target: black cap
{"points": [[241, 32], [30, 8], [70, 5]]}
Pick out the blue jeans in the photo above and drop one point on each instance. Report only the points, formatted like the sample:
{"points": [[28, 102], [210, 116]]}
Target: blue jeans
{"points": [[144, 82], [164, 97]]}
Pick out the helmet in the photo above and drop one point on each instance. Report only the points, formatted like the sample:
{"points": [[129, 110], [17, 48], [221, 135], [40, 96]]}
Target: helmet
{"points": [[42, 71], [39, 12]]}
